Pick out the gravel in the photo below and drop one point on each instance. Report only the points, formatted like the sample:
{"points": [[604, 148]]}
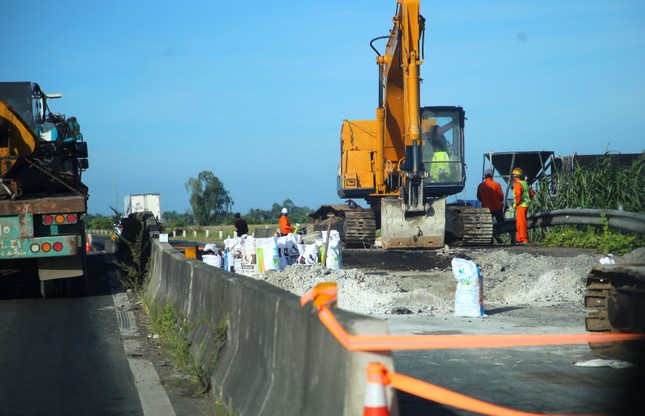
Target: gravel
{"points": [[511, 278]]}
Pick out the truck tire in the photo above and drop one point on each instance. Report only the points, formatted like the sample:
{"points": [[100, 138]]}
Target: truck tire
{"points": [[55, 288], [75, 286]]}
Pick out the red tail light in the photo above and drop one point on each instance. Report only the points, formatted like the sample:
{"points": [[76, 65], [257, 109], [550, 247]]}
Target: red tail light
{"points": [[58, 219]]}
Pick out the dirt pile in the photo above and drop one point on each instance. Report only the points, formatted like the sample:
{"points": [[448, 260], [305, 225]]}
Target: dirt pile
{"points": [[511, 278]]}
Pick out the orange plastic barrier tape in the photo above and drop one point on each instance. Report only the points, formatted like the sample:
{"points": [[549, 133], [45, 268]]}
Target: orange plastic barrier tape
{"points": [[326, 294], [433, 342], [429, 342], [448, 397]]}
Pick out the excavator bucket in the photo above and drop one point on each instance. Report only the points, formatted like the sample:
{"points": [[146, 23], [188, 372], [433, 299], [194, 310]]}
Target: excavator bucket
{"points": [[404, 230]]}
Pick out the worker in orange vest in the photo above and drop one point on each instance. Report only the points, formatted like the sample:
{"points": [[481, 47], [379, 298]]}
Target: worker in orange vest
{"points": [[523, 196], [285, 225], [490, 194]]}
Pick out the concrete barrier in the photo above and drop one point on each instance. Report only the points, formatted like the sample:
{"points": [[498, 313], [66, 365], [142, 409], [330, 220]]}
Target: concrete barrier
{"points": [[278, 358]]}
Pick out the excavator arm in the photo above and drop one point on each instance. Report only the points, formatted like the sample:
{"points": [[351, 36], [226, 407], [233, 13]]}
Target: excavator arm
{"points": [[410, 158], [399, 68], [17, 142]]}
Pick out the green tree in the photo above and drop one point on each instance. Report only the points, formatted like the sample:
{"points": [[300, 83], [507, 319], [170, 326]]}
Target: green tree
{"points": [[209, 199], [272, 216], [174, 219], [98, 222]]}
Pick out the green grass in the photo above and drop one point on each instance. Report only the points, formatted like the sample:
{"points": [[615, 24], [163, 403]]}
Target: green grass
{"points": [[174, 329], [198, 234]]}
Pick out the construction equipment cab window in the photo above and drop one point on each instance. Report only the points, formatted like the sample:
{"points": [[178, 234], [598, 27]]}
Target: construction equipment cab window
{"points": [[441, 141]]}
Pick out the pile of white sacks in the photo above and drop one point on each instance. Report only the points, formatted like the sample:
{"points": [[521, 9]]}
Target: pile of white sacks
{"points": [[250, 256]]}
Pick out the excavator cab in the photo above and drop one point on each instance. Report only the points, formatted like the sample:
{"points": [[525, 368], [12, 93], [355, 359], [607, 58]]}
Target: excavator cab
{"points": [[425, 220], [442, 150]]}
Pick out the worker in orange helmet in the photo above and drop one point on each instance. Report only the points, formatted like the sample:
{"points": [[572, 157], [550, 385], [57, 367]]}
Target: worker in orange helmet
{"points": [[490, 194], [285, 225], [523, 196]]}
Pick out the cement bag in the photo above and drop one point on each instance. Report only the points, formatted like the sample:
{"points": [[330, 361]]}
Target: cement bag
{"points": [[469, 293], [231, 242], [267, 254], [467, 301], [334, 259], [291, 250], [308, 254], [283, 255], [234, 248], [465, 271], [237, 265], [214, 260], [248, 264]]}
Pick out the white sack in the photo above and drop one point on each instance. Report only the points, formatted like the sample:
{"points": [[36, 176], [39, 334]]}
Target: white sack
{"points": [[267, 254], [469, 294], [213, 260], [248, 263]]}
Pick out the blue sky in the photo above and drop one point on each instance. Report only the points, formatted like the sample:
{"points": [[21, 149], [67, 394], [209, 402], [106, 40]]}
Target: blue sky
{"points": [[256, 91]]}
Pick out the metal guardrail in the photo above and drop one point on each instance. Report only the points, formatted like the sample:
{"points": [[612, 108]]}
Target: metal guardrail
{"points": [[628, 221]]}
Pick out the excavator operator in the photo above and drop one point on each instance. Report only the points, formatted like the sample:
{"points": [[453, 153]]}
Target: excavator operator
{"points": [[439, 166]]}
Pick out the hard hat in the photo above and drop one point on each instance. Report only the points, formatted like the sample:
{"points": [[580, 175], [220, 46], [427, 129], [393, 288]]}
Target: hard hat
{"points": [[488, 172], [284, 211], [518, 172]]}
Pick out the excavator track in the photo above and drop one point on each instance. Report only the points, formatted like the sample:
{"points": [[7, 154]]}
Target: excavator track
{"points": [[469, 226], [356, 226], [615, 303], [360, 227]]}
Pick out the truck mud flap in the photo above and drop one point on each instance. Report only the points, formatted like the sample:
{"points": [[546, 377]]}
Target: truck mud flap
{"points": [[50, 268]]}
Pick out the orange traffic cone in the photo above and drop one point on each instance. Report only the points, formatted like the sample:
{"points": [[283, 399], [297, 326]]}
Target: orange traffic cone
{"points": [[375, 401], [88, 243]]}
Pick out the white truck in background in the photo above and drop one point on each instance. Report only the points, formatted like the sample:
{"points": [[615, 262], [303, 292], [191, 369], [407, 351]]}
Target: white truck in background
{"points": [[143, 202]]}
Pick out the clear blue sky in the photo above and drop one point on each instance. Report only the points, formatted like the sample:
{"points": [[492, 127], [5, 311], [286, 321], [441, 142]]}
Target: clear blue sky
{"points": [[256, 91]]}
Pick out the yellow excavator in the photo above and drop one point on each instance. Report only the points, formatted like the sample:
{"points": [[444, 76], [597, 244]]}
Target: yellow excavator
{"points": [[406, 162]]}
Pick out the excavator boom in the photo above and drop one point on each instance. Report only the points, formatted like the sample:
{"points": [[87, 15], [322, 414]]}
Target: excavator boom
{"points": [[407, 161]]}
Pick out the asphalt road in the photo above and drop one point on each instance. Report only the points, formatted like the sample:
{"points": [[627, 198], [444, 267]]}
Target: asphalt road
{"points": [[64, 356], [538, 379]]}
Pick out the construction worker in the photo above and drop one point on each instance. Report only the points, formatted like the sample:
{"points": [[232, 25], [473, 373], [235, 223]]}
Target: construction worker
{"points": [[523, 196], [490, 194], [285, 225], [240, 225], [440, 165]]}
